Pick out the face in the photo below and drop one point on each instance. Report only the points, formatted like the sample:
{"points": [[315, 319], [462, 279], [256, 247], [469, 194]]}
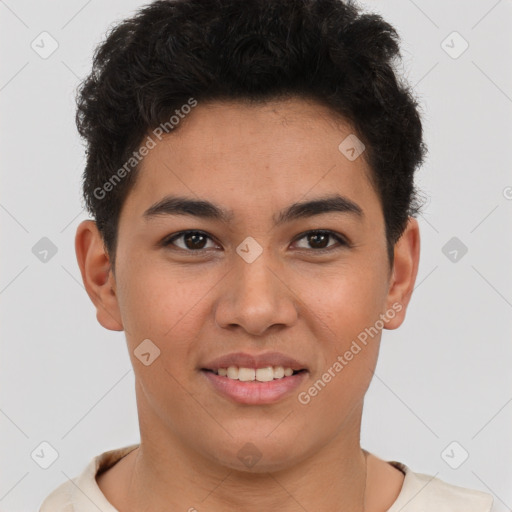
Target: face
{"points": [[302, 289]]}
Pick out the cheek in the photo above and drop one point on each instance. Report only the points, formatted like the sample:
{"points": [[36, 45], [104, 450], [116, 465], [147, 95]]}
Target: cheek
{"points": [[161, 298], [167, 306], [346, 300], [345, 310], [163, 305]]}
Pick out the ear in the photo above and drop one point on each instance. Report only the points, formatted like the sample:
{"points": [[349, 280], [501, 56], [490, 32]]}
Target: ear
{"points": [[403, 276], [97, 276]]}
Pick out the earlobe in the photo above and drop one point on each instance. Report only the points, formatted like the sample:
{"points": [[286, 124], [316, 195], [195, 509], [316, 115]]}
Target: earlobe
{"points": [[404, 272], [96, 275]]}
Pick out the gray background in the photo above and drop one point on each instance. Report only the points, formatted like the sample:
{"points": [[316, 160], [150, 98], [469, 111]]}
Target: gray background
{"points": [[444, 376]]}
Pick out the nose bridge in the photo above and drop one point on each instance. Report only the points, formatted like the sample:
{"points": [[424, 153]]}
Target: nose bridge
{"points": [[255, 283], [257, 276], [255, 297]]}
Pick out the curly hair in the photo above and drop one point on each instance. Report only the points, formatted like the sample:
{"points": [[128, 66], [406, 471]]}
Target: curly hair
{"points": [[151, 64]]}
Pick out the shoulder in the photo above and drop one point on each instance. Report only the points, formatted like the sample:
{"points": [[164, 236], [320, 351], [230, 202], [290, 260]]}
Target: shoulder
{"points": [[59, 500], [82, 493], [427, 493]]}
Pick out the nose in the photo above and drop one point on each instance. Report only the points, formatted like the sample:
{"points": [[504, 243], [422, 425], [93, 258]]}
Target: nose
{"points": [[255, 296]]}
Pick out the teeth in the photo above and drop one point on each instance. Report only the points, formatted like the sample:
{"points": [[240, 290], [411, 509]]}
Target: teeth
{"points": [[245, 374], [232, 372], [278, 372], [265, 374]]}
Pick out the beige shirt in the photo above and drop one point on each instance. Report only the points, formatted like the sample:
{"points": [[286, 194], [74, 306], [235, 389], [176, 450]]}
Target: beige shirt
{"points": [[420, 493]]}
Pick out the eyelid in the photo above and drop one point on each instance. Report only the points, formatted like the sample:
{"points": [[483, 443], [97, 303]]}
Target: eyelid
{"points": [[341, 239], [168, 240]]}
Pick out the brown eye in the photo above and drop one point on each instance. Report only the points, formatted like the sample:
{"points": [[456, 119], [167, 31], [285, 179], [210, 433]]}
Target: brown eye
{"points": [[318, 240], [196, 241], [192, 240]]}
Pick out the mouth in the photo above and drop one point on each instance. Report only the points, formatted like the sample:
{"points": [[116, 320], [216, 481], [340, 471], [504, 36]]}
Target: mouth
{"points": [[264, 374], [254, 386], [247, 378]]}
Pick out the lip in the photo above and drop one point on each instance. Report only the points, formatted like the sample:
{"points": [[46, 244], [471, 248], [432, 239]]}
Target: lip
{"points": [[245, 360], [254, 392]]}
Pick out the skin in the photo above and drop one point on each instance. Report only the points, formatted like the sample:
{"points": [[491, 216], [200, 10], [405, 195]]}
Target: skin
{"points": [[254, 160]]}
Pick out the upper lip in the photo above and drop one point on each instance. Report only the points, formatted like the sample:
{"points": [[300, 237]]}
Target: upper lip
{"points": [[245, 360]]}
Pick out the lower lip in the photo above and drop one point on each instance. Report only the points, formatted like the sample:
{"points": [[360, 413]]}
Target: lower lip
{"points": [[255, 392]]}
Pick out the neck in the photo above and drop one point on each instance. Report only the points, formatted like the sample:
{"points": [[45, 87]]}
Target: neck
{"points": [[166, 474], [304, 487]]}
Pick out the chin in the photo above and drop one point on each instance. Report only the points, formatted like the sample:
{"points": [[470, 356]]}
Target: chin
{"points": [[257, 455]]}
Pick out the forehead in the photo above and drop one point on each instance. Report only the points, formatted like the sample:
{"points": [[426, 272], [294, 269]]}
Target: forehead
{"points": [[268, 154], [279, 127]]}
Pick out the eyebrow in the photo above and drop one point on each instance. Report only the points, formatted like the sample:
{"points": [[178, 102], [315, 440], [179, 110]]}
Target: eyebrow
{"points": [[177, 205]]}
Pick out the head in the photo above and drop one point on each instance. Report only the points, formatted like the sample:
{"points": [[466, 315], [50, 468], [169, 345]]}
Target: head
{"points": [[247, 109]]}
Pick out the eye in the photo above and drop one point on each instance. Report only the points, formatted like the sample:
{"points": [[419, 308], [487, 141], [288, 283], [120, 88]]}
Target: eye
{"points": [[318, 238], [194, 241]]}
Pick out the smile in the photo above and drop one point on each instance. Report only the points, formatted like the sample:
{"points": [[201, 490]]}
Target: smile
{"points": [[255, 385], [265, 374]]}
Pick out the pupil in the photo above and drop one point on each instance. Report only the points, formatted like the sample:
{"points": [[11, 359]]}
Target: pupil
{"points": [[194, 237], [312, 236]]}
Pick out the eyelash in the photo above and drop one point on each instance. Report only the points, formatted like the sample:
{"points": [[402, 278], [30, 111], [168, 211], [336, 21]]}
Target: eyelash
{"points": [[166, 242]]}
